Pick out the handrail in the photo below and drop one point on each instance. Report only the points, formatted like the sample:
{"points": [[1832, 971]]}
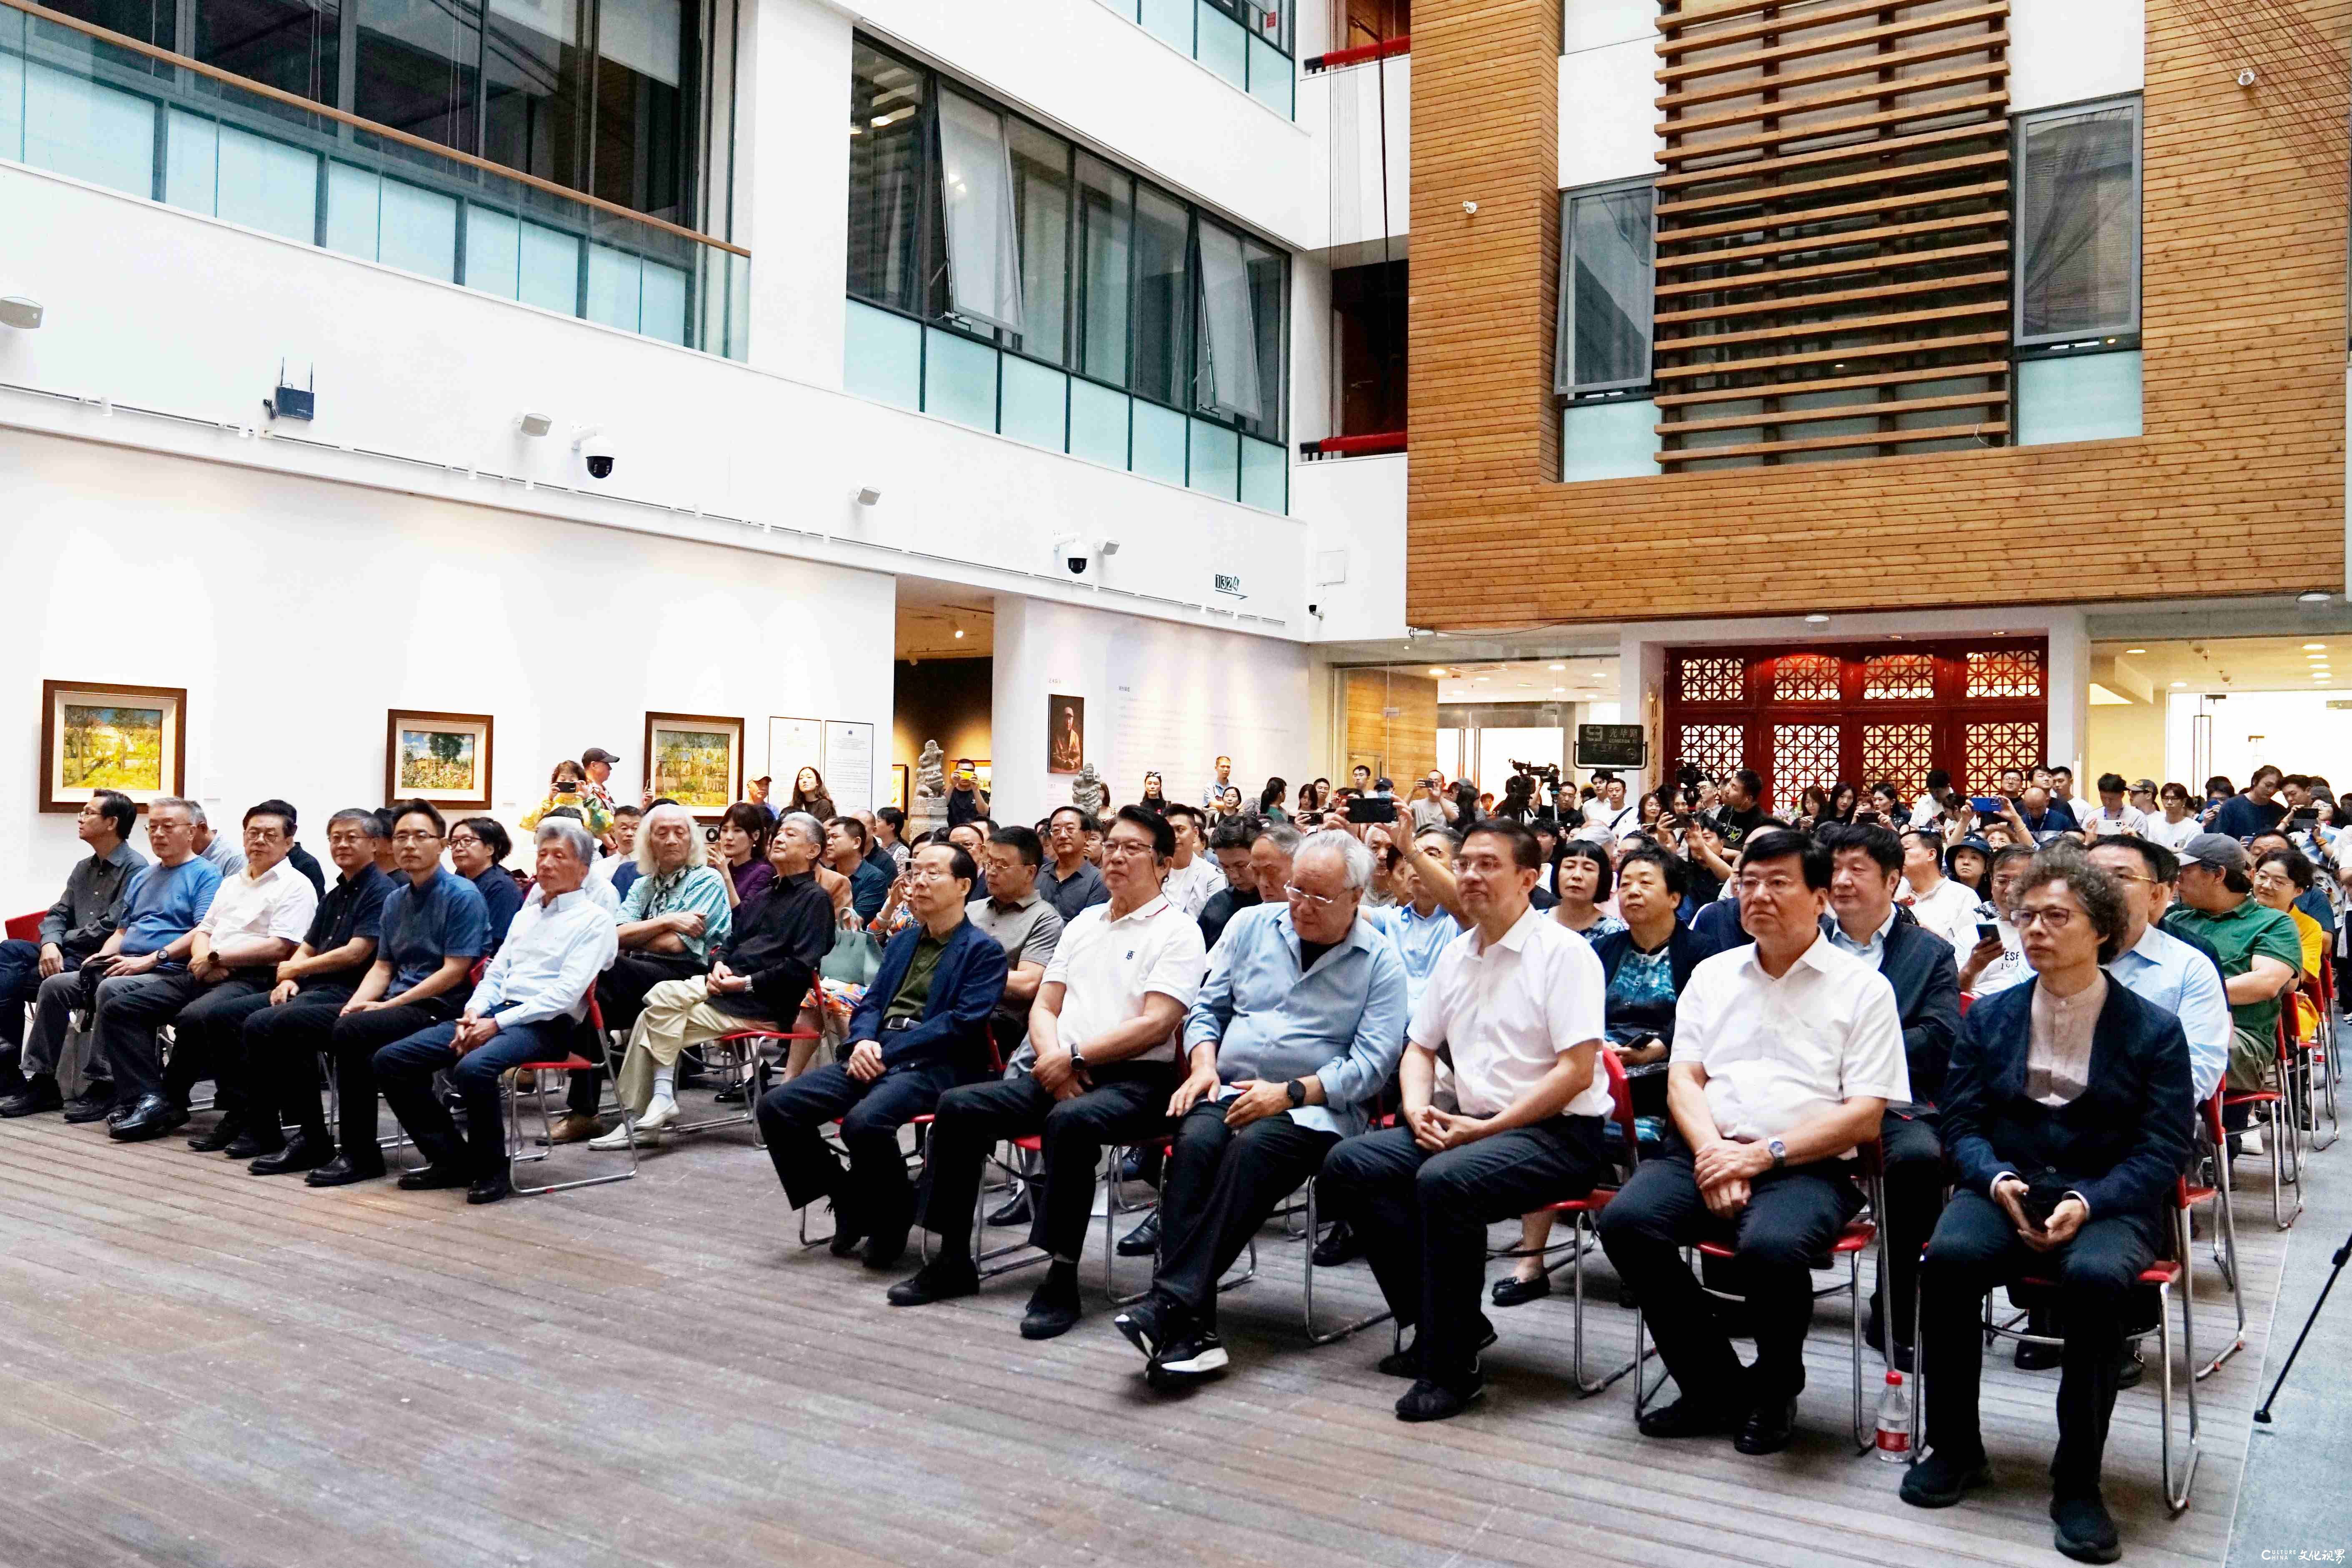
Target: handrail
{"points": [[262, 90], [1353, 445], [1399, 44]]}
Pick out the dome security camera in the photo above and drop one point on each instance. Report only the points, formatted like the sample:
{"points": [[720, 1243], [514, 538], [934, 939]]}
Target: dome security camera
{"points": [[1074, 555], [596, 449]]}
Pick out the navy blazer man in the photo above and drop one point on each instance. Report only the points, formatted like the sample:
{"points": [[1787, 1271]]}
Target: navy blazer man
{"points": [[921, 1029]]}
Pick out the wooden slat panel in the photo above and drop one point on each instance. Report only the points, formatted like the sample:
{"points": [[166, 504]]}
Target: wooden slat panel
{"points": [[1840, 324], [1838, 268], [1837, 443], [1827, 356], [1794, 216], [1943, 49], [1762, 194], [1840, 297], [1782, 53], [1994, 397], [1983, 101], [1883, 146], [1735, 253], [1841, 384], [1690, 17], [1867, 92]]}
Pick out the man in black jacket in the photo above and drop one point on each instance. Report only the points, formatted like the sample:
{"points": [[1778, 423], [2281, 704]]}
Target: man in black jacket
{"points": [[759, 977], [74, 928], [2068, 1115], [1864, 920]]}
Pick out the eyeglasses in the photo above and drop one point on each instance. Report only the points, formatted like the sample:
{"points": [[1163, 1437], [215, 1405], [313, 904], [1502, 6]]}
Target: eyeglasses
{"points": [[457, 839], [415, 837], [2056, 917], [1299, 895], [1125, 847], [2134, 876], [1774, 887]]}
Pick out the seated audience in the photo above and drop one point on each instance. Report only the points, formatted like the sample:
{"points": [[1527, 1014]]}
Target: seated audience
{"points": [[479, 847], [1098, 1068], [568, 789], [1299, 1025], [674, 912], [921, 1029], [755, 793], [1515, 1003], [2177, 824], [2281, 876], [810, 794], [1939, 903], [2258, 810], [743, 863], [1069, 881], [529, 1004], [257, 920], [1966, 861], [1023, 924], [844, 849], [1194, 874], [225, 854], [891, 835], [1585, 878], [759, 974], [618, 867], [1786, 1053], [2259, 949], [2115, 814], [137, 978], [1997, 962], [71, 930], [1231, 844], [2067, 1112], [2182, 979], [1867, 863]]}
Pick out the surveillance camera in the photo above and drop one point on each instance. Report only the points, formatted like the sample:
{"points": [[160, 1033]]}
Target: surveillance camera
{"points": [[596, 449], [1073, 554], [1315, 610]]}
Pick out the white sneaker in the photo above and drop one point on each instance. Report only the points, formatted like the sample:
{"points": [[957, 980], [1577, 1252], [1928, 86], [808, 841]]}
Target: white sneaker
{"points": [[2250, 1142], [658, 1115]]}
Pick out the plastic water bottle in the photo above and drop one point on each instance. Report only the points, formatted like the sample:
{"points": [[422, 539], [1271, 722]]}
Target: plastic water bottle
{"points": [[1895, 1421]]}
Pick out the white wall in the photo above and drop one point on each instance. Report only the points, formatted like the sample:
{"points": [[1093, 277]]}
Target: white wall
{"points": [[1354, 505], [296, 613], [1345, 104], [2063, 51], [1607, 83], [792, 200], [1158, 696]]}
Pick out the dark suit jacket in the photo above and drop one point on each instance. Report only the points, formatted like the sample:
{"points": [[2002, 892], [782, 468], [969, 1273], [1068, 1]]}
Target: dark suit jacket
{"points": [[965, 987], [2121, 1143], [1718, 928], [1919, 965]]}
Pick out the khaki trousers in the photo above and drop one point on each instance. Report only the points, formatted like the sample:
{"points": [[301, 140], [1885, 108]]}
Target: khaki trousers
{"points": [[677, 1013]]}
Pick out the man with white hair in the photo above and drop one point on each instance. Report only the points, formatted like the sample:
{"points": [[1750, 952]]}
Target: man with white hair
{"points": [[676, 913], [1299, 1025], [532, 998]]}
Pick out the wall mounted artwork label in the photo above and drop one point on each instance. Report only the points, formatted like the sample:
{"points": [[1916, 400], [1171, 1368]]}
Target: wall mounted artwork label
{"points": [[849, 764]]}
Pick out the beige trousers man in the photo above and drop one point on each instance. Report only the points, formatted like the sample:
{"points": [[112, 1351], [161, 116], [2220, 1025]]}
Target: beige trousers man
{"points": [[677, 1013]]}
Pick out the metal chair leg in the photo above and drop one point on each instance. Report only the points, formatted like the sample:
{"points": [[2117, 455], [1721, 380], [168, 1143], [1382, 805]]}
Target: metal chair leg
{"points": [[1325, 1336]]}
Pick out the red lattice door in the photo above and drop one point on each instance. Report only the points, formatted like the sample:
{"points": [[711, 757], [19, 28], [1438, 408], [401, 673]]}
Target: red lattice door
{"points": [[1858, 714]]}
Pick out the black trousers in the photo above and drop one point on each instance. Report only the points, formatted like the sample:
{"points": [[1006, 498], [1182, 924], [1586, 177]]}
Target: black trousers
{"points": [[1790, 1219], [20, 985], [1914, 1182], [354, 1040], [1976, 1247], [208, 1041], [406, 1067], [129, 1009], [282, 1046], [1422, 1217], [876, 1197], [1219, 1187], [1128, 1103], [621, 990]]}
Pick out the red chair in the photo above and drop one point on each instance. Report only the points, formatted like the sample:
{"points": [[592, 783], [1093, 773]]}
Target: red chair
{"points": [[1859, 1233], [1584, 1213], [2284, 1172], [2318, 1056], [543, 1076], [921, 1123], [2225, 1239], [25, 928], [2163, 1275]]}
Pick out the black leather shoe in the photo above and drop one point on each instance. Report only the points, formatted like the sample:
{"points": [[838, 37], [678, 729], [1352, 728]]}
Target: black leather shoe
{"points": [[1053, 1307], [1406, 1362], [1941, 1479], [1143, 1241], [1517, 1292], [302, 1154], [733, 1094], [2086, 1531], [846, 1233], [92, 1104], [1339, 1246], [2038, 1358], [251, 1146], [432, 1179], [339, 1172], [223, 1133], [1429, 1401], [941, 1279], [1770, 1427], [1686, 1417], [1016, 1211], [39, 1094], [491, 1189], [2128, 1371], [151, 1117], [884, 1249]]}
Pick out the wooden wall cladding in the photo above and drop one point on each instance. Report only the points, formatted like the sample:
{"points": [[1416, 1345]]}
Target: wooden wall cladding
{"points": [[1402, 744], [2236, 487], [1833, 228]]}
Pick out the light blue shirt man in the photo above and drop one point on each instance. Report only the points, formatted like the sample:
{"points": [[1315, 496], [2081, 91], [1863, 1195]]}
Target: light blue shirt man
{"points": [[1869, 952], [550, 959], [695, 890], [164, 903], [1342, 1020], [2167, 970], [1420, 941]]}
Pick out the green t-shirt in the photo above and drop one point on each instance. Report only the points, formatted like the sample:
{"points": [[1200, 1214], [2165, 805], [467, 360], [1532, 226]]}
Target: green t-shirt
{"points": [[2247, 932], [915, 989]]}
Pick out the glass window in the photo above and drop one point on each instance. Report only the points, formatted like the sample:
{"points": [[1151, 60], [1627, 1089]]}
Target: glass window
{"points": [[149, 21], [417, 64], [291, 44], [643, 125], [2078, 223], [1608, 281], [886, 159], [2078, 397], [1163, 298], [1609, 441], [1105, 239], [534, 89], [1041, 205], [976, 199], [1227, 348], [1269, 280]]}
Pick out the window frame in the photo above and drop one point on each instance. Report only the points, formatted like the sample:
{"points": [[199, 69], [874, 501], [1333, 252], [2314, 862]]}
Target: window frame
{"points": [[2125, 336], [1565, 389]]}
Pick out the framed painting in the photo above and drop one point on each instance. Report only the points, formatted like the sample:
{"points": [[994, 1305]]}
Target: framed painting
{"points": [[95, 736], [1065, 734], [444, 758], [696, 760], [898, 785]]}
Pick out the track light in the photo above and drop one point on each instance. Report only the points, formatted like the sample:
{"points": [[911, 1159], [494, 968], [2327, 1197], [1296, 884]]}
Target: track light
{"points": [[869, 496], [18, 311], [531, 423]]}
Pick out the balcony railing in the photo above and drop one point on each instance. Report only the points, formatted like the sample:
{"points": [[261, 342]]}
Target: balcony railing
{"points": [[1244, 42], [105, 108]]}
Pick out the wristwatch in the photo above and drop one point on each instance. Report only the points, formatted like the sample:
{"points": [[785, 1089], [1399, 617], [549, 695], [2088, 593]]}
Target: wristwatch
{"points": [[1297, 1089], [1077, 1059], [1779, 1153]]}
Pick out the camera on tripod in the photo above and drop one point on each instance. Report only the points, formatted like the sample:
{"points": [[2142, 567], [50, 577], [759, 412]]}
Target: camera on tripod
{"points": [[1519, 796]]}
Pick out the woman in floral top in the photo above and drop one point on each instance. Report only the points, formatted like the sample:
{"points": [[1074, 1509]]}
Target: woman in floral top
{"points": [[568, 787]]}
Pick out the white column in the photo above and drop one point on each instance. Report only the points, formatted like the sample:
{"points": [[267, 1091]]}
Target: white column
{"points": [[2069, 693], [792, 146]]}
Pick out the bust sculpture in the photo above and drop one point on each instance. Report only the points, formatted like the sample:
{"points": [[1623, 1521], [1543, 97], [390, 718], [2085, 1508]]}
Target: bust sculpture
{"points": [[929, 806]]}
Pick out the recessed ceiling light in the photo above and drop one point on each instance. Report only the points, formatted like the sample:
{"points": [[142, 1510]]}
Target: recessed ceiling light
{"points": [[1557, 690], [2312, 645], [1817, 619], [2312, 596], [1559, 666], [1437, 672], [1526, 683], [2179, 684], [2135, 650]]}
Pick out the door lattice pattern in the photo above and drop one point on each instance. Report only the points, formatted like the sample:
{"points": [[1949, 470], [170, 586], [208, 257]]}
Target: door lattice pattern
{"points": [[1902, 752], [1990, 747], [1713, 748], [1803, 754], [1899, 676], [1805, 678], [2005, 672], [1712, 680]]}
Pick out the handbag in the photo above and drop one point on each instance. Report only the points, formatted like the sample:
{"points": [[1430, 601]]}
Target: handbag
{"points": [[856, 958]]}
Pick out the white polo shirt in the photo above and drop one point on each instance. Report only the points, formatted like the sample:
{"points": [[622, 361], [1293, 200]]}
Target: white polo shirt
{"points": [[1108, 966], [278, 903], [2171, 835], [1508, 1010], [1949, 909], [1779, 1053]]}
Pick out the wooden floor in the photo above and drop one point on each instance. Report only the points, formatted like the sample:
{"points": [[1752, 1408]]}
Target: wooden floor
{"points": [[198, 1366]]}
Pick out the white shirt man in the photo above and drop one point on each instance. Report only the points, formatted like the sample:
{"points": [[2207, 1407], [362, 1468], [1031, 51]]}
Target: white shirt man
{"points": [[1943, 906], [2162, 829], [277, 905], [1778, 1052], [2113, 817]]}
